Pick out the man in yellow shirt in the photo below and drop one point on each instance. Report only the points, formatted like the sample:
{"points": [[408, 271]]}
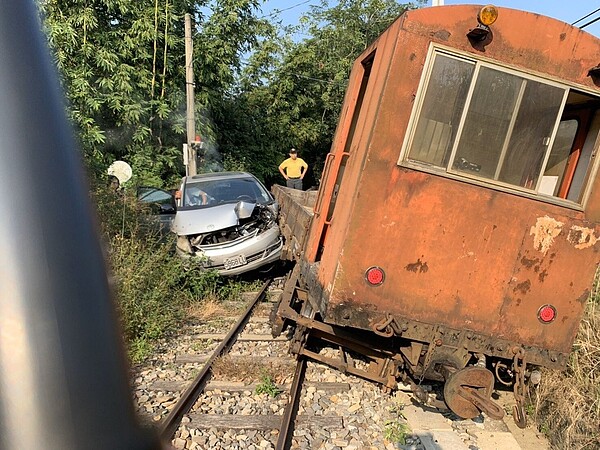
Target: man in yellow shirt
{"points": [[293, 170]]}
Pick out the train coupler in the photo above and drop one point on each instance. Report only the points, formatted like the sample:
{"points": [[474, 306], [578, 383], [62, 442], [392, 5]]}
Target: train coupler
{"points": [[468, 391]]}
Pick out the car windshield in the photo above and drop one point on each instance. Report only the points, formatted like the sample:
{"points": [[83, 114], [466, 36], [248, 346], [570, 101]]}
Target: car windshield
{"points": [[214, 192]]}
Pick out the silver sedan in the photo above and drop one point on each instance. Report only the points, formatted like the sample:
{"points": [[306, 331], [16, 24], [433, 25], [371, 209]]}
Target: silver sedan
{"points": [[228, 221]]}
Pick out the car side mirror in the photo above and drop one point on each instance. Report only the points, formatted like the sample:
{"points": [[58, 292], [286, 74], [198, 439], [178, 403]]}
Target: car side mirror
{"points": [[167, 209]]}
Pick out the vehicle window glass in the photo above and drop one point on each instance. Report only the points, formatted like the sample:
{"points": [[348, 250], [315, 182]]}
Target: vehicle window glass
{"points": [[575, 187], [508, 128], [441, 110], [489, 117], [224, 191], [155, 196], [532, 134], [554, 173]]}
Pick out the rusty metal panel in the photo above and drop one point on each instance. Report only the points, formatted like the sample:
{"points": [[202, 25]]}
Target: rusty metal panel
{"points": [[296, 213], [487, 267], [352, 141], [384, 49], [524, 40], [456, 254]]}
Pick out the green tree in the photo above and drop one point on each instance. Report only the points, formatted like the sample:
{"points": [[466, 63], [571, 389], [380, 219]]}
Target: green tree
{"points": [[122, 64], [291, 92]]}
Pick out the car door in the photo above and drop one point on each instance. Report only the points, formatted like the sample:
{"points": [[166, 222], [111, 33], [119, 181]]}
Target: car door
{"points": [[161, 206]]}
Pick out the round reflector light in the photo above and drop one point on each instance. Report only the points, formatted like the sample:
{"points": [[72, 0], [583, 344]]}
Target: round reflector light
{"points": [[488, 15], [375, 275], [547, 313]]}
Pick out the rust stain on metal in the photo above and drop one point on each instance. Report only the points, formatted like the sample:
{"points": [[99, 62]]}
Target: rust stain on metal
{"points": [[583, 298], [545, 230], [442, 35], [523, 287], [419, 266], [542, 276], [529, 263], [582, 237]]}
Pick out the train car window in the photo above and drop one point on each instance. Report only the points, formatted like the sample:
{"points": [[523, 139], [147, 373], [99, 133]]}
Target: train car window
{"points": [[583, 149], [441, 110], [557, 163], [477, 120], [490, 118], [513, 119]]}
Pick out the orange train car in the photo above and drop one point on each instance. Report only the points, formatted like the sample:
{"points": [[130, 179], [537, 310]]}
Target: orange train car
{"points": [[455, 233]]}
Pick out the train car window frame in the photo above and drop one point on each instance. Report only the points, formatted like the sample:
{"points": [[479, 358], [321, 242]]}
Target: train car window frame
{"points": [[434, 146]]}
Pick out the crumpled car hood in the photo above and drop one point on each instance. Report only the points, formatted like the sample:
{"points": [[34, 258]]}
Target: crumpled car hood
{"points": [[206, 220]]}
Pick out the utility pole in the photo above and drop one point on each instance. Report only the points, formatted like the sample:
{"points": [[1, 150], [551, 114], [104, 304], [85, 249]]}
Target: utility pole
{"points": [[189, 92]]}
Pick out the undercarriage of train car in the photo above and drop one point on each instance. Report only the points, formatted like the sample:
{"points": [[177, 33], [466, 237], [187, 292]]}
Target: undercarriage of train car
{"points": [[398, 350]]}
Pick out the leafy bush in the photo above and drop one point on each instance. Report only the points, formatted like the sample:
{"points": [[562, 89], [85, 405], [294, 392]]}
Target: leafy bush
{"points": [[153, 286], [151, 298], [396, 431]]}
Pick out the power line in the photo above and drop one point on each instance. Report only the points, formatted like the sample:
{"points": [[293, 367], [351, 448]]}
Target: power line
{"points": [[279, 11], [589, 23], [297, 75], [585, 17]]}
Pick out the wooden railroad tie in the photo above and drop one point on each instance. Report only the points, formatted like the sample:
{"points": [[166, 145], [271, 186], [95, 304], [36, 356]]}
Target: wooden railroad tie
{"points": [[260, 422]]}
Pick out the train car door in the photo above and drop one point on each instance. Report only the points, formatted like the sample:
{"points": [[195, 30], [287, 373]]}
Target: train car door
{"points": [[571, 154]]}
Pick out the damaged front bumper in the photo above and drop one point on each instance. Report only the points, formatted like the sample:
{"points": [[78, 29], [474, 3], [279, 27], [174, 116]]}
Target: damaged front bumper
{"points": [[237, 256]]}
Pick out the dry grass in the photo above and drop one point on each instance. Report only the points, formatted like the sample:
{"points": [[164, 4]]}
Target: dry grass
{"points": [[210, 308], [251, 370], [568, 403]]}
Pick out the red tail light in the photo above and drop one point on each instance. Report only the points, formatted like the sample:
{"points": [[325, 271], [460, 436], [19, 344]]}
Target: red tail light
{"points": [[375, 276], [547, 313]]}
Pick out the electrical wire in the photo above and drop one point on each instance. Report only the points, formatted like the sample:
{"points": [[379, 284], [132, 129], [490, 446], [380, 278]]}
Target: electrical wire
{"points": [[279, 11], [585, 17], [320, 80], [589, 23]]}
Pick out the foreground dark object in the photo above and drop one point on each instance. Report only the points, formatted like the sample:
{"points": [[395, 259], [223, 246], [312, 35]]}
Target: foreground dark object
{"points": [[62, 368]]}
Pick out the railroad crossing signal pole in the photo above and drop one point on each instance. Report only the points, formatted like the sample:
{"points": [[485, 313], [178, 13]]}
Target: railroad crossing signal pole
{"points": [[189, 91]]}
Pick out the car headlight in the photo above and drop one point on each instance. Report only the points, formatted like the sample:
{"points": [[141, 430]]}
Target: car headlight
{"points": [[183, 244]]}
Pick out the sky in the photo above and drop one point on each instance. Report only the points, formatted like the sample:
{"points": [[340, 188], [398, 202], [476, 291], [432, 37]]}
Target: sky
{"points": [[565, 10]]}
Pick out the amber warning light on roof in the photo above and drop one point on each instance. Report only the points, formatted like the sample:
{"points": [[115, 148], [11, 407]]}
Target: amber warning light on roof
{"points": [[486, 16]]}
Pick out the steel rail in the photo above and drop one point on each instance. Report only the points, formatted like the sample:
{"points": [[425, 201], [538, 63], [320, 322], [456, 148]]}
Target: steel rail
{"points": [[286, 430], [189, 397]]}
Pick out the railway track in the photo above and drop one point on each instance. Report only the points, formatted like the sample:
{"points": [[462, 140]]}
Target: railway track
{"points": [[189, 397], [170, 424], [201, 401], [284, 423]]}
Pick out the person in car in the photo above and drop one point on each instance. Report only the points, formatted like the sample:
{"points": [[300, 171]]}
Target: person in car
{"points": [[198, 197], [293, 170]]}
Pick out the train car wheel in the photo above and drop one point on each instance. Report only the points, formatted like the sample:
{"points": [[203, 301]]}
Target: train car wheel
{"points": [[467, 393]]}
